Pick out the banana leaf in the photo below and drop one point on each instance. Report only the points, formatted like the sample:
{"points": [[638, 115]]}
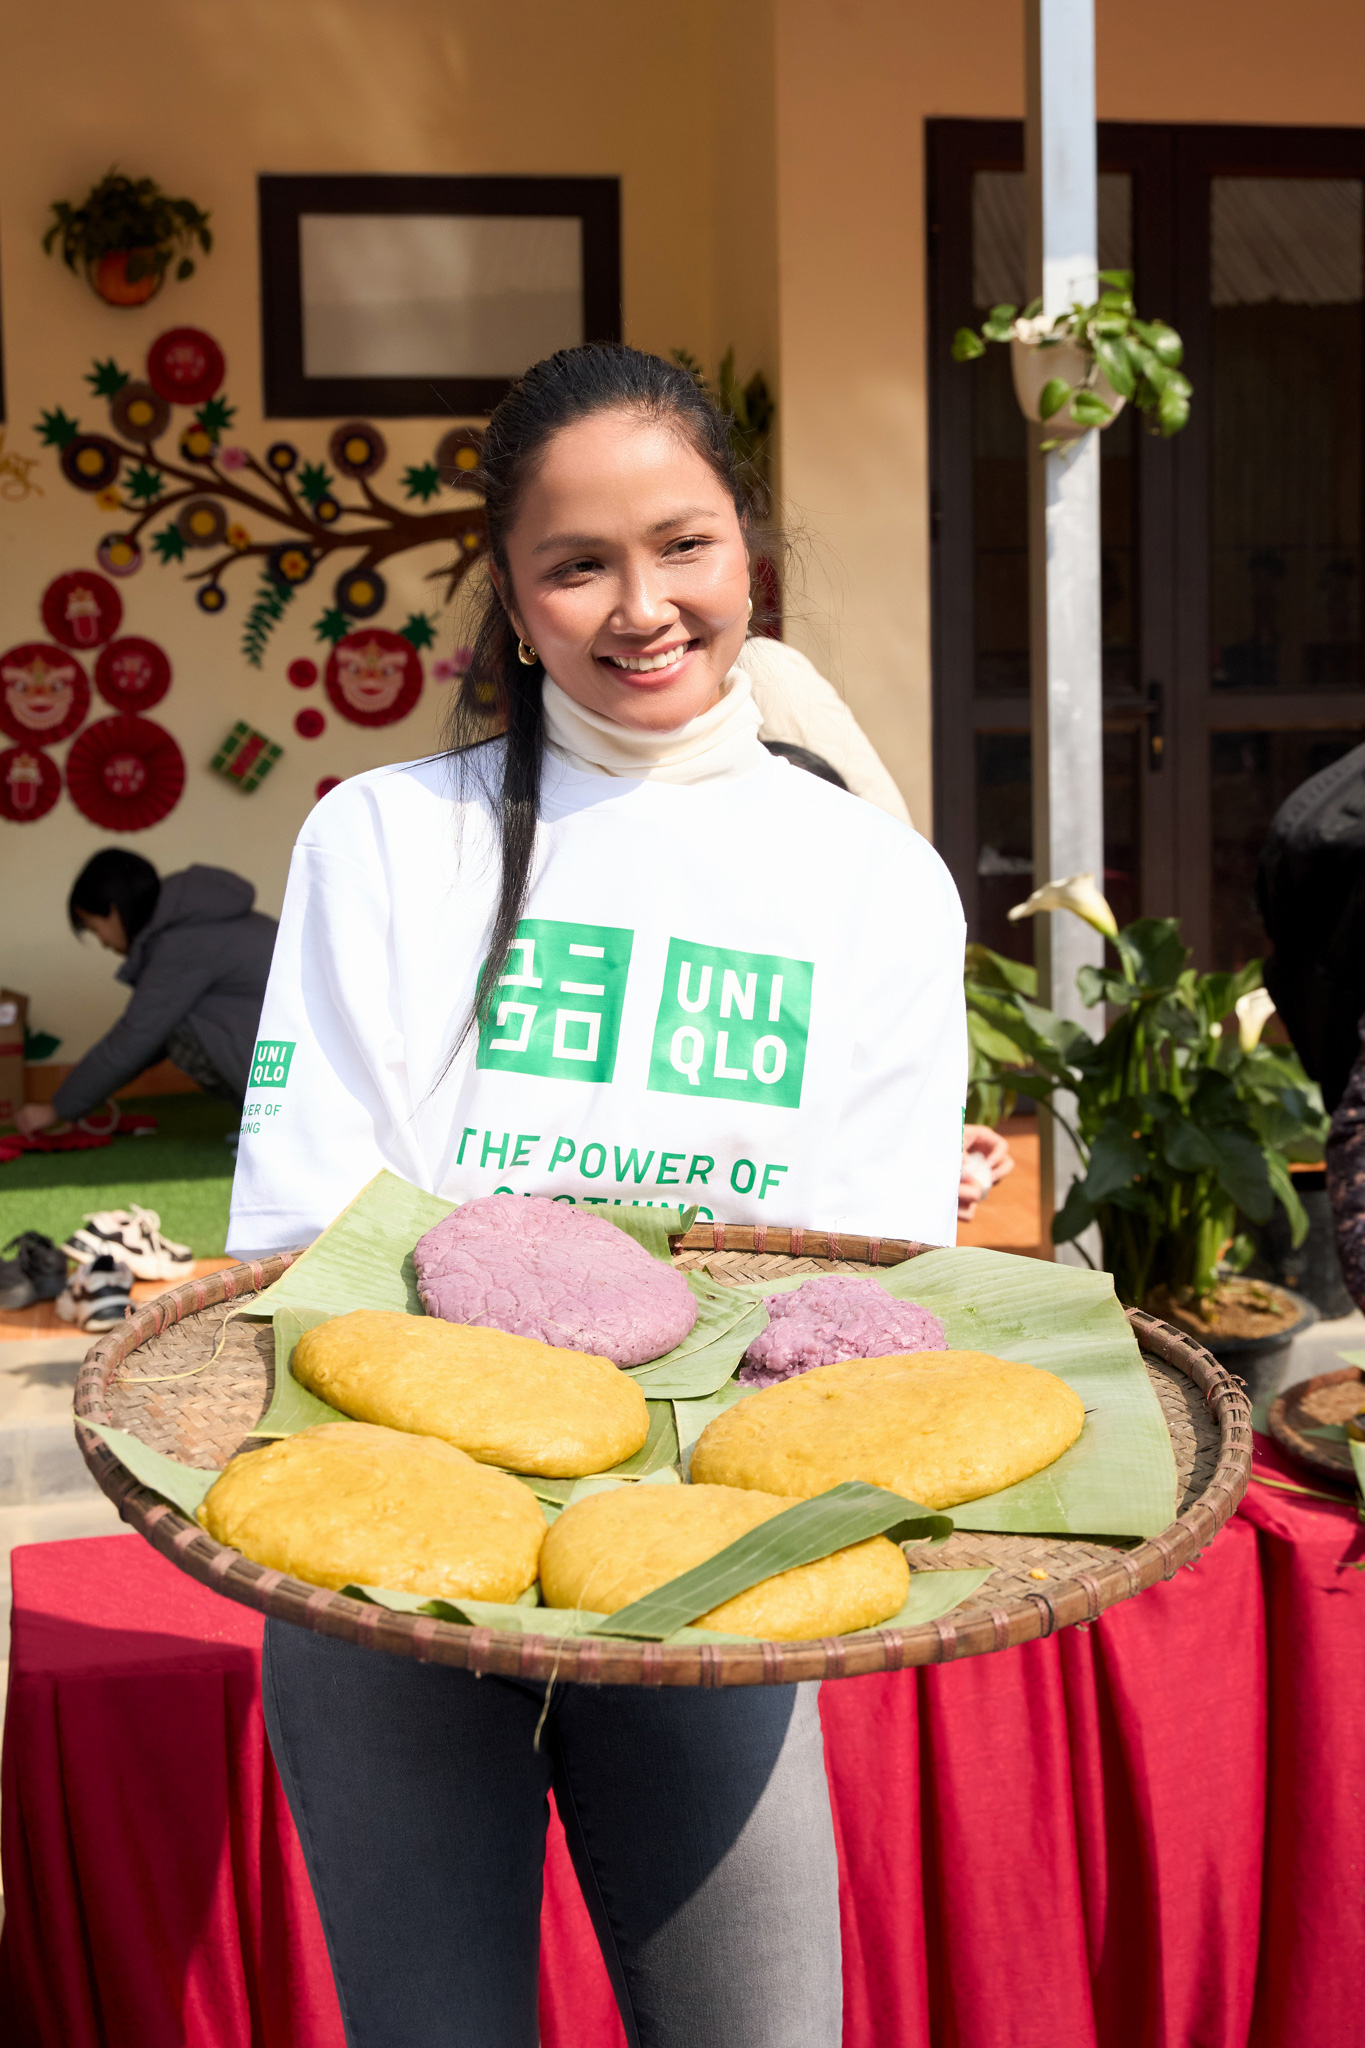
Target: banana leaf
{"points": [[184, 1486], [710, 1353], [364, 1258], [1118, 1478], [931, 1594], [847, 1513]]}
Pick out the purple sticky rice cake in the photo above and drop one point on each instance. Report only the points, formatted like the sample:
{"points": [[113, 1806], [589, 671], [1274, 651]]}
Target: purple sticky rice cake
{"points": [[542, 1269], [840, 1315]]}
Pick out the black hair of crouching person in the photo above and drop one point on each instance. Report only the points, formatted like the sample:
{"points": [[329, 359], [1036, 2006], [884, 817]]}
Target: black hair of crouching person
{"points": [[115, 880], [802, 757]]}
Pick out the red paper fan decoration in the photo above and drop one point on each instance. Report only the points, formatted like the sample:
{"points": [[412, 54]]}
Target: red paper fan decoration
{"points": [[302, 674], [374, 677], [44, 694], [132, 675], [125, 773], [82, 609], [30, 784], [185, 365]]}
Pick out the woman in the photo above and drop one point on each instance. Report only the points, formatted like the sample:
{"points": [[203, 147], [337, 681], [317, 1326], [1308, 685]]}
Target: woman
{"points": [[196, 956], [623, 954]]}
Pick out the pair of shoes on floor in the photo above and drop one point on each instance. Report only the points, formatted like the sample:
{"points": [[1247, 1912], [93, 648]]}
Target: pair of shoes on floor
{"points": [[96, 1297], [134, 1236], [37, 1272]]}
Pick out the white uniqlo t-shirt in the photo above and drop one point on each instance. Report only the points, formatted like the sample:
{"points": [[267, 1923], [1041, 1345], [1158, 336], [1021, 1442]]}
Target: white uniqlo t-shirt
{"points": [[744, 993]]}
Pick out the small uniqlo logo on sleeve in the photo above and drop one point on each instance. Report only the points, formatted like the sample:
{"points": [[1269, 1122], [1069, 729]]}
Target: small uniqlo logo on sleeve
{"points": [[270, 1066], [732, 1024], [557, 1008]]}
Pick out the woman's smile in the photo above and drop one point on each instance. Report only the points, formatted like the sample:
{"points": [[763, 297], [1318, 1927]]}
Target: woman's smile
{"points": [[658, 665]]}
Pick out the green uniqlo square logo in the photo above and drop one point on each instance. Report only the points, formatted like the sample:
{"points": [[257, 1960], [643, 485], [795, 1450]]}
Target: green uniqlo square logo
{"points": [[557, 1009], [732, 1024], [271, 1062]]}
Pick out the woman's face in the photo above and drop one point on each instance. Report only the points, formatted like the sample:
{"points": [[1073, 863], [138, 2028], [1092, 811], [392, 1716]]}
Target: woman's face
{"points": [[629, 574]]}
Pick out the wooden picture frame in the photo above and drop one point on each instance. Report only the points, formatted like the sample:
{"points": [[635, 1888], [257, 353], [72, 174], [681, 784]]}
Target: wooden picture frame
{"points": [[555, 244]]}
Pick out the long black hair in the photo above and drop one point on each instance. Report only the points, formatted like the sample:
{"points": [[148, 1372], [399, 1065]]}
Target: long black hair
{"points": [[115, 880], [553, 394]]}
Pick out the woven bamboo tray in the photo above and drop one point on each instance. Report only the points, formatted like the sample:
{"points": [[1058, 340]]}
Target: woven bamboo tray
{"points": [[1037, 1584]]}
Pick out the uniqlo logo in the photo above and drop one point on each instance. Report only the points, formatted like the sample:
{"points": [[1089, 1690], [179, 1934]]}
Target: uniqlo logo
{"points": [[557, 1008], [732, 1024]]}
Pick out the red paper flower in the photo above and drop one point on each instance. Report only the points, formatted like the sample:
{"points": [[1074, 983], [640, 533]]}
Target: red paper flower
{"points": [[44, 694], [132, 675], [29, 784], [309, 724], [185, 365], [374, 677], [326, 786], [302, 674], [82, 609], [125, 773]]}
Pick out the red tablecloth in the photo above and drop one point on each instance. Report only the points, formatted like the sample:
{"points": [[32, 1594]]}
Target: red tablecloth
{"points": [[1149, 1834]]}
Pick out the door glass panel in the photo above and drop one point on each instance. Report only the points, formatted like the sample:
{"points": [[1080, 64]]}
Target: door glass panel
{"points": [[1000, 452], [1285, 486], [1005, 822], [1250, 775]]}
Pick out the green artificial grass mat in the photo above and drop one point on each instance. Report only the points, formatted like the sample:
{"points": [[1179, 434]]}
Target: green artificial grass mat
{"points": [[183, 1171]]}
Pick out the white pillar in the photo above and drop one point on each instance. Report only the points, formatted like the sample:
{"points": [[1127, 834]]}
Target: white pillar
{"points": [[1064, 542]]}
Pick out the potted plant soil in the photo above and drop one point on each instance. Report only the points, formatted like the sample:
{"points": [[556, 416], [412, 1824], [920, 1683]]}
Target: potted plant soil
{"points": [[1186, 1129], [125, 234]]}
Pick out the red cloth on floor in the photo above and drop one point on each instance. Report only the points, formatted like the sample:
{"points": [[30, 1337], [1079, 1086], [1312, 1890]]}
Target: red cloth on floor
{"points": [[13, 1147], [1062, 1846]]}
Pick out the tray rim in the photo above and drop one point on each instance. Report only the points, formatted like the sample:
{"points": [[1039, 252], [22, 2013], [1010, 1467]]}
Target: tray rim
{"points": [[1075, 1602], [1303, 1448]]}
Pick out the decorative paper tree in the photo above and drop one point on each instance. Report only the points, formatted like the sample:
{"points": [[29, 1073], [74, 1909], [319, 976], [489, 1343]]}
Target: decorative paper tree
{"points": [[211, 485]]}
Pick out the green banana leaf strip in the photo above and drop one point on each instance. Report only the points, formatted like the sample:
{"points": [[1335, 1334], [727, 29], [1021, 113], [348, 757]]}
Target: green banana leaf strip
{"points": [[364, 1258], [1358, 1464], [1118, 1478], [931, 1594], [848, 1513], [292, 1407], [658, 1453], [184, 1486], [711, 1352]]}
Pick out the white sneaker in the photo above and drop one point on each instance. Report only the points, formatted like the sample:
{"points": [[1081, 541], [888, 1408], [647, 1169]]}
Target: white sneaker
{"points": [[133, 1235], [96, 1296]]}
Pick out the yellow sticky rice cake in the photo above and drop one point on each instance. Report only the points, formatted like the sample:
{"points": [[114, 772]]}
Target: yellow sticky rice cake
{"points": [[608, 1551], [505, 1400], [939, 1426], [349, 1504]]}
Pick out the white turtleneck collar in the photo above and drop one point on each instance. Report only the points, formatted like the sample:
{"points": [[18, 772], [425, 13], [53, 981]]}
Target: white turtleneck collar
{"points": [[722, 742]]}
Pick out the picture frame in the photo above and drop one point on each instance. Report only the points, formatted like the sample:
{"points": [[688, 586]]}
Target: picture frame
{"points": [[414, 297]]}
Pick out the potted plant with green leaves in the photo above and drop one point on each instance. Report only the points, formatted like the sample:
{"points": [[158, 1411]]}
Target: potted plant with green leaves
{"points": [[125, 234], [1185, 1128], [1077, 371]]}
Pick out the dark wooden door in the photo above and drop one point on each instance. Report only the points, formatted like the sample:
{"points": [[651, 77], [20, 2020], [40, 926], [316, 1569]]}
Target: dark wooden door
{"points": [[1231, 556]]}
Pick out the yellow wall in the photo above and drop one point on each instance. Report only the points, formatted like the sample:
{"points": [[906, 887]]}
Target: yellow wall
{"points": [[204, 95], [856, 80]]}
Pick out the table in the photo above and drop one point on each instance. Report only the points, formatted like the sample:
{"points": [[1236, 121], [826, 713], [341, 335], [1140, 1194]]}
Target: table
{"points": [[1147, 1834]]}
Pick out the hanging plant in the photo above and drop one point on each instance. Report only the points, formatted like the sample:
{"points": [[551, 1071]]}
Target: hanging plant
{"points": [[1077, 371], [124, 234]]}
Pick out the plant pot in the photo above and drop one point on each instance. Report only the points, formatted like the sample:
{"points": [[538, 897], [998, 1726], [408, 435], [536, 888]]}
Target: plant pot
{"points": [[1258, 1361], [1034, 364], [110, 280]]}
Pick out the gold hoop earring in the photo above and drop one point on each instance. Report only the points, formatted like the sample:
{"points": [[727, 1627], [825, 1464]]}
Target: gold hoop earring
{"points": [[526, 653], [751, 607]]}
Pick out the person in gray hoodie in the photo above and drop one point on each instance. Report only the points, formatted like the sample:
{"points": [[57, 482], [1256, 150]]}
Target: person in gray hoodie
{"points": [[197, 956]]}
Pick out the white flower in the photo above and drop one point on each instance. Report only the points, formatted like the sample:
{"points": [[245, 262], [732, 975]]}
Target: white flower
{"points": [[1254, 1011], [1033, 331], [1077, 894]]}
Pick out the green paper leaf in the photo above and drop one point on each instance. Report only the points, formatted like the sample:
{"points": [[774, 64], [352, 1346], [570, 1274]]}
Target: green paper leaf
{"points": [[421, 481], [215, 416], [144, 484], [55, 430], [169, 543], [106, 380], [332, 626], [184, 1486], [314, 482], [419, 631], [845, 1514]]}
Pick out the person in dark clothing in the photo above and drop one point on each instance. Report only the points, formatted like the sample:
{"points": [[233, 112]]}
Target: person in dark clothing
{"points": [[1346, 1178], [197, 956]]}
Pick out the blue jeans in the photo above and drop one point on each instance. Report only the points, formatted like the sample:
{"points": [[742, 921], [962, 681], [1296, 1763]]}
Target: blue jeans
{"points": [[698, 1822]]}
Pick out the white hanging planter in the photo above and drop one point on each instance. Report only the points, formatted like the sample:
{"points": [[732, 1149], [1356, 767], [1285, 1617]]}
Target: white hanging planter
{"points": [[1034, 366]]}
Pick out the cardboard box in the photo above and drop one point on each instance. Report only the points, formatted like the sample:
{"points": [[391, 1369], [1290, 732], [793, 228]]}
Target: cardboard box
{"points": [[13, 1017]]}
